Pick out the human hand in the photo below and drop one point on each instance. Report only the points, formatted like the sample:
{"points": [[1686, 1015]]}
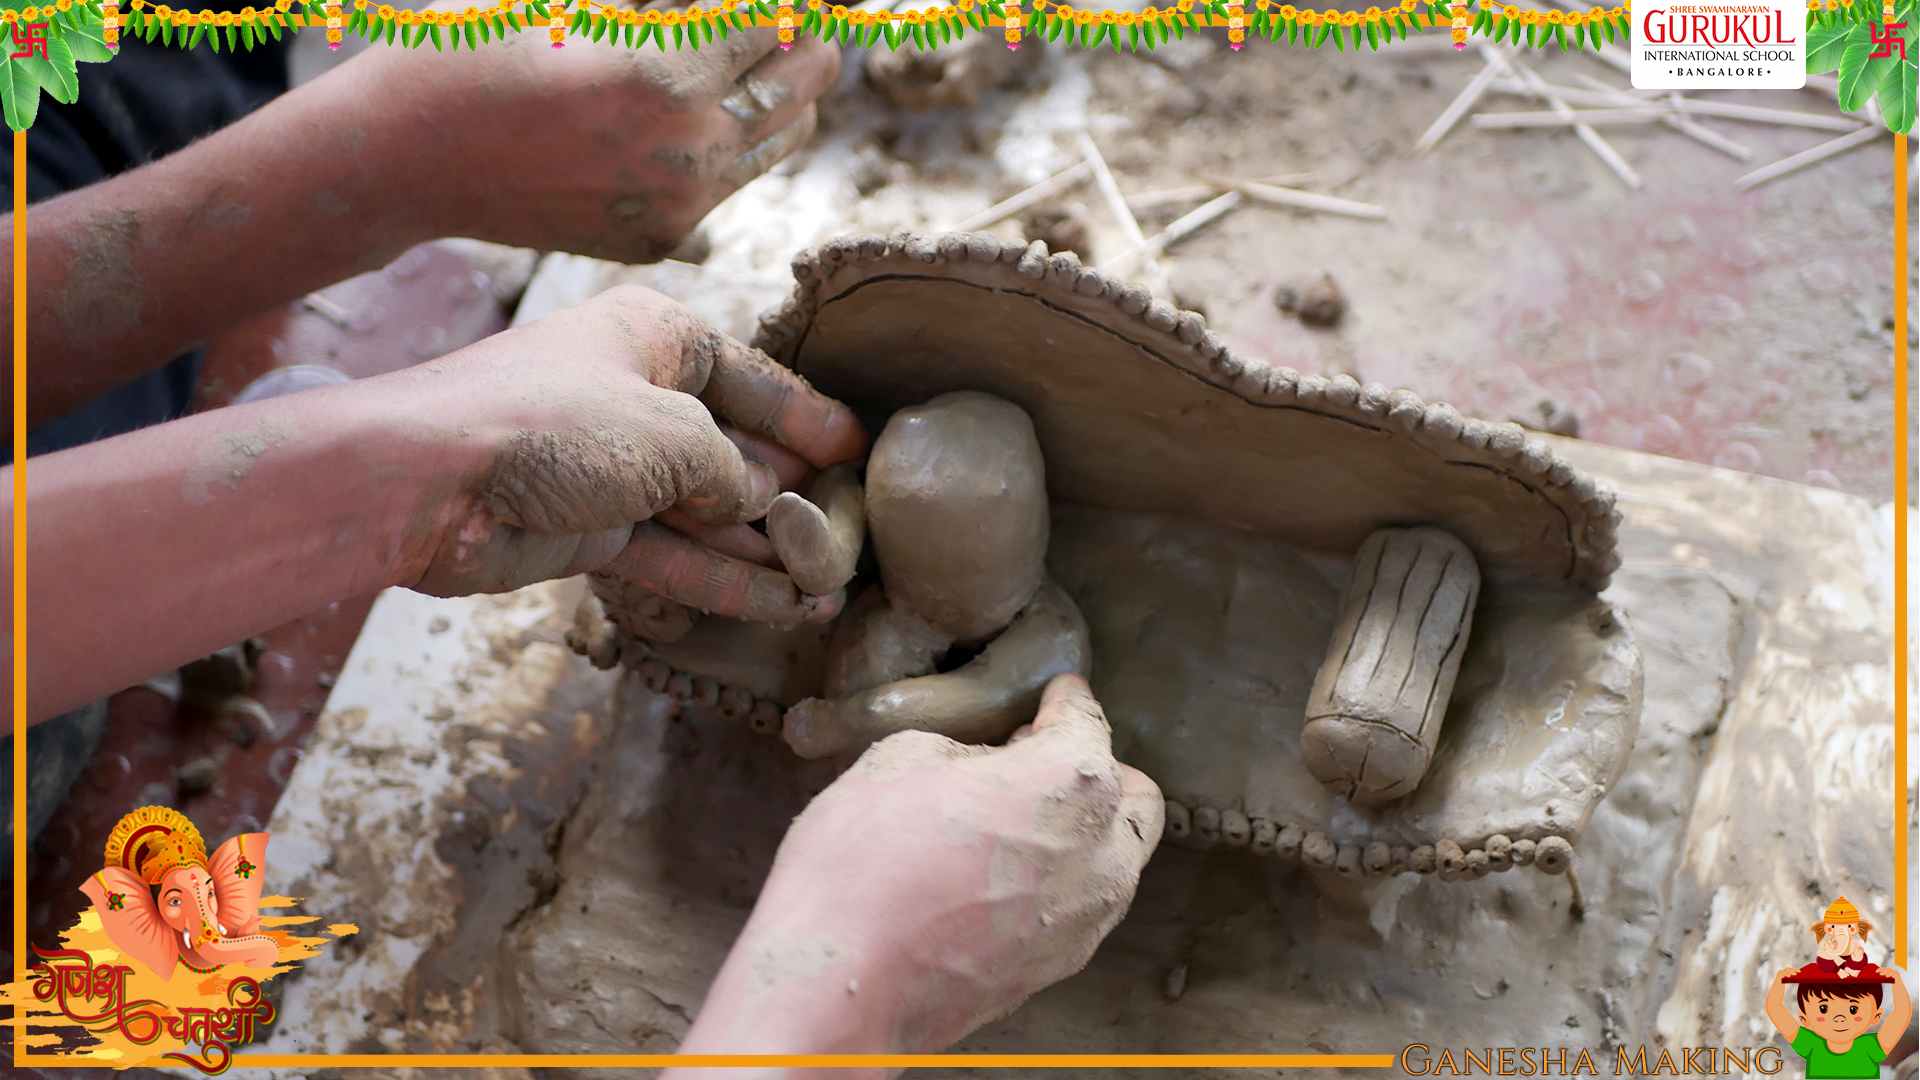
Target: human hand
{"points": [[935, 887], [573, 428], [1782, 975], [611, 152]]}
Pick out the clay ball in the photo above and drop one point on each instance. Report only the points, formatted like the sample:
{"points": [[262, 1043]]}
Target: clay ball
{"points": [[957, 512]]}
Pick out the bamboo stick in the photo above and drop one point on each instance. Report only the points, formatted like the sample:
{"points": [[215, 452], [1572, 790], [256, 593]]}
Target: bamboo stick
{"points": [[1570, 117], [1456, 109], [1178, 230], [1586, 133], [1038, 193], [1307, 200], [1808, 157]]}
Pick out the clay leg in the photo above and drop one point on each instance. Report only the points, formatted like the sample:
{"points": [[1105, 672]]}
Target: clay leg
{"points": [[878, 643], [1377, 704], [818, 540], [984, 700]]}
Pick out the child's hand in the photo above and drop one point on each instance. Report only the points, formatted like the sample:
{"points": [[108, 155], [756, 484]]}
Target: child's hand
{"points": [[1781, 976]]}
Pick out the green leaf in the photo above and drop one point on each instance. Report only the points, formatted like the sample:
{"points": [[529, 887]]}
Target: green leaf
{"points": [[434, 33], [1373, 37], [393, 30], [1101, 35], [706, 29], [19, 96], [1320, 37], [1897, 93], [1824, 46], [919, 37], [1560, 35], [1133, 36], [679, 37], [88, 44], [1860, 77], [472, 37], [199, 31]]}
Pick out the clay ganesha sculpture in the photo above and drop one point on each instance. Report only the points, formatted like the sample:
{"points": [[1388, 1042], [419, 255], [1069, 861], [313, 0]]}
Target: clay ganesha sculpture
{"points": [[1334, 622]]}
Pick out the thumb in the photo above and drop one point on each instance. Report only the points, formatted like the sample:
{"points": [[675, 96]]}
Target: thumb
{"points": [[1069, 720]]}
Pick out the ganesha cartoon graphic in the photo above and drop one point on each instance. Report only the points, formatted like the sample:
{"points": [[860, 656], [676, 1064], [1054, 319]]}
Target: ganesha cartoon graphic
{"points": [[165, 903]]}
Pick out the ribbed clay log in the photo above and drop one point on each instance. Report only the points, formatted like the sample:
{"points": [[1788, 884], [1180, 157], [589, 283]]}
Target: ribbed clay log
{"points": [[604, 644], [1377, 704]]}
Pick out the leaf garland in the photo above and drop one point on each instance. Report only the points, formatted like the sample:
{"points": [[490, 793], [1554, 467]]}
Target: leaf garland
{"points": [[1840, 33]]}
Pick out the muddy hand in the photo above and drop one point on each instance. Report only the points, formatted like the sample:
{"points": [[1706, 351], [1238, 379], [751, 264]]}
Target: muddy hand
{"points": [[934, 887], [613, 153], [574, 428]]}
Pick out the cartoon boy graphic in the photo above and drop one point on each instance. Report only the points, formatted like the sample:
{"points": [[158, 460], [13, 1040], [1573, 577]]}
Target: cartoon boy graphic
{"points": [[1840, 996]]}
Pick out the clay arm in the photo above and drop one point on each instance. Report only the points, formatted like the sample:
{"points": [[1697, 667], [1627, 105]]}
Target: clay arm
{"points": [[1899, 1012], [818, 538], [982, 701], [1783, 1019]]}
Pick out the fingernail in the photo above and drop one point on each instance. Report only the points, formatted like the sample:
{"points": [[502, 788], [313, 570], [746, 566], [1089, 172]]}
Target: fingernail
{"points": [[766, 486]]}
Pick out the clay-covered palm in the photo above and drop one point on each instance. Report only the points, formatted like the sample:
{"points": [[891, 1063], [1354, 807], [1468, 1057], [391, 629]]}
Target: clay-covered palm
{"points": [[936, 886], [580, 425], [605, 151]]}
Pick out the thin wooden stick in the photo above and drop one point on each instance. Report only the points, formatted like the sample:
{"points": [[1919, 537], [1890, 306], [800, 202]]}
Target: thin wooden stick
{"points": [[1568, 118], [1587, 135], [1456, 109], [1149, 200], [1178, 230], [1759, 115], [1306, 200], [1578, 905], [1038, 193], [1615, 57], [1109, 190], [1117, 205], [1807, 157], [1706, 135]]}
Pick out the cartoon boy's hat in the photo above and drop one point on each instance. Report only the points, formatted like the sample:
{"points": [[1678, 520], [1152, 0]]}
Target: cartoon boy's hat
{"points": [[154, 840], [1840, 913]]}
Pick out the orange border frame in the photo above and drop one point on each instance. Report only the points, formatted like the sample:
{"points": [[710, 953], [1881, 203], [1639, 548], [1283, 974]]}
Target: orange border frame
{"points": [[1220, 1061]]}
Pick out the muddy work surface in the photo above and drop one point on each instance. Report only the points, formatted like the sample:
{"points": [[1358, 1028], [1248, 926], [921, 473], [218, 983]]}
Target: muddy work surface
{"points": [[579, 852]]}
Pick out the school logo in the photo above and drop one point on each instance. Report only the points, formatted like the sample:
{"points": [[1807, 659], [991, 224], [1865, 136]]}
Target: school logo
{"points": [[171, 961]]}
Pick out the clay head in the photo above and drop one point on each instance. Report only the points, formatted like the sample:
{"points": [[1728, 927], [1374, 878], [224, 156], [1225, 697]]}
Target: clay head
{"points": [[957, 508], [1838, 1011]]}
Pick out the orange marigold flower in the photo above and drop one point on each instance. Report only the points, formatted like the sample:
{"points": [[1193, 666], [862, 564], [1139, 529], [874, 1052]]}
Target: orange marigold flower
{"points": [[386, 11], [1556, 18], [838, 12], [1288, 11], [1349, 18], [1125, 19]]}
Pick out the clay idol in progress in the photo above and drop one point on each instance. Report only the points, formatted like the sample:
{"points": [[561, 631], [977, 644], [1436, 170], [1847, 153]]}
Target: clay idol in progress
{"points": [[1335, 623], [956, 503]]}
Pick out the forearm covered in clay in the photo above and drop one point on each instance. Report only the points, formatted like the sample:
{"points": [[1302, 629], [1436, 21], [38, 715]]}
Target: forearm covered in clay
{"points": [[818, 538], [982, 701]]}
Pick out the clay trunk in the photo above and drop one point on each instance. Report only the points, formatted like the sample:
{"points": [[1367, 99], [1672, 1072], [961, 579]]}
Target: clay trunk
{"points": [[1377, 704]]}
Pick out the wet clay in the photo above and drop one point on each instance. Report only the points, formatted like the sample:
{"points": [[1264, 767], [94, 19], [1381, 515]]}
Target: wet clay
{"points": [[957, 506], [1382, 692], [1207, 512], [981, 701], [818, 537]]}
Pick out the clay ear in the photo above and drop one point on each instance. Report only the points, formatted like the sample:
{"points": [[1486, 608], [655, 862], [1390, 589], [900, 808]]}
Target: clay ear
{"points": [[132, 920], [239, 872]]}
